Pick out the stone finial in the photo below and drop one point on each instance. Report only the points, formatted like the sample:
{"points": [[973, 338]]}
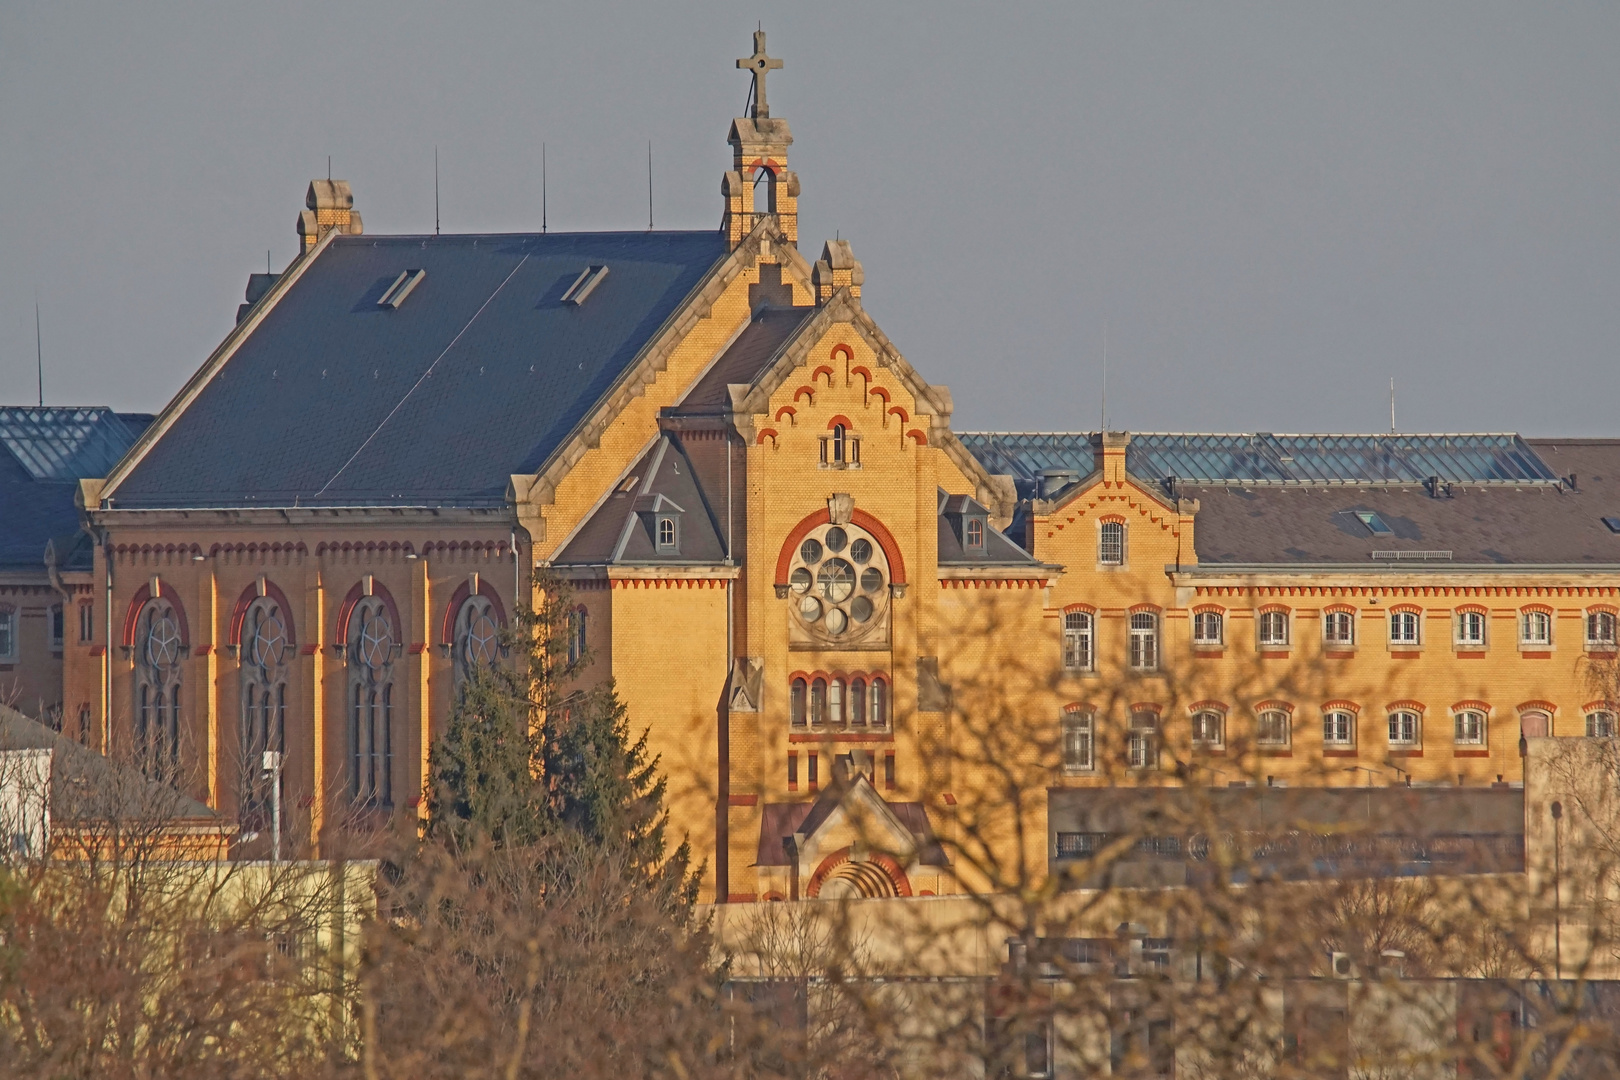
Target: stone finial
{"points": [[836, 269], [329, 205]]}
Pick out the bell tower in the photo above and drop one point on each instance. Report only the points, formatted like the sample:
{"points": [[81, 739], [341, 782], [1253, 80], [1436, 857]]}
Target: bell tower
{"points": [[758, 182]]}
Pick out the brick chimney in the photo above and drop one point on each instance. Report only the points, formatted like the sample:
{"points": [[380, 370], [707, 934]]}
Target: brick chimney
{"points": [[331, 206]]}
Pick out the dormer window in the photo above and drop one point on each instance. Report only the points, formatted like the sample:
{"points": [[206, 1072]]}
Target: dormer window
{"points": [[973, 534], [668, 536]]}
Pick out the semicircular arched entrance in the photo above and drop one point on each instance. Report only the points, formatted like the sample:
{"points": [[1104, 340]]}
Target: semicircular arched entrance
{"points": [[875, 877]]}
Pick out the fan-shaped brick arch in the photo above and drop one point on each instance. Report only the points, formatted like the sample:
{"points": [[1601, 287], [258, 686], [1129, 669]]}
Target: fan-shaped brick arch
{"points": [[877, 876], [861, 519]]}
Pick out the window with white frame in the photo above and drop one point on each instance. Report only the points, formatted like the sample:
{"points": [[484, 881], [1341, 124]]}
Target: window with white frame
{"points": [[1339, 628], [1404, 627], [1208, 628], [1209, 729], [8, 634], [1405, 728], [1275, 727], [1600, 629], [1273, 628], [1111, 543], [1470, 727], [1600, 724], [1079, 641], [1142, 742], [1144, 641], [1471, 628], [1339, 728], [1079, 747], [1535, 628]]}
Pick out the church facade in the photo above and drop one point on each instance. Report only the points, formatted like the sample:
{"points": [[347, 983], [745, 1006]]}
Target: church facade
{"points": [[876, 656]]}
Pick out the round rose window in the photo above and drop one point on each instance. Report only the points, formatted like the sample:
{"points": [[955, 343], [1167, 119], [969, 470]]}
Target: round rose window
{"points": [[838, 587]]}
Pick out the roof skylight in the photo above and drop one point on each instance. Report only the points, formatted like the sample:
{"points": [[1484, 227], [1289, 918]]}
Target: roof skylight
{"points": [[1613, 523], [588, 279], [1374, 523], [401, 288]]}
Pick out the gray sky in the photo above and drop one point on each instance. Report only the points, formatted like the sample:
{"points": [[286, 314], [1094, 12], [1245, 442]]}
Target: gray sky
{"points": [[1273, 208]]}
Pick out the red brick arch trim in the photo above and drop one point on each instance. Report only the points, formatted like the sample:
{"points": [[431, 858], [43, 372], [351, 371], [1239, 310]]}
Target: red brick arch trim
{"points": [[1406, 705], [878, 391], [1083, 608], [1341, 705], [788, 411], [766, 433], [1207, 706], [847, 353], [917, 436], [886, 863], [900, 411], [1080, 707], [1545, 609], [1203, 609], [245, 601], [1478, 609], [138, 601], [1273, 705], [1600, 705], [862, 370], [1349, 609], [849, 425], [1537, 706], [447, 635], [379, 590], [816, 374], [885, 539]]}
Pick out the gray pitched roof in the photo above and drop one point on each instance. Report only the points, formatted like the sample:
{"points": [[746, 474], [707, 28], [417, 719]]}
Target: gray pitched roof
{"points": [[481, 371], [47, 451], [619, 532], [998, 549], [750, 353], [1536, 524]]}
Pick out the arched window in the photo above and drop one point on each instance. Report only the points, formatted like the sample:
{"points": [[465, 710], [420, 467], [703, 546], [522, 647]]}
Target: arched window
{"points": [[1142, 743], [1338, 628], [1078, 641], [1339, 728], [1403, 628], [857, 703], [1209, 729], [1144, 641], [1535, 628], [878, 713], [796, 703], [372, 646], [818, 702], [1079, 753], [158, 653], [1111, 543], [1470, 727], [1405, 728], [1275, 728], [1471, 628], [577, 640], [835, 703], [1600, 629], [838, 437], [1207, 628], [1600, 725], [477, 637], [1273, 628], [266, 648]]}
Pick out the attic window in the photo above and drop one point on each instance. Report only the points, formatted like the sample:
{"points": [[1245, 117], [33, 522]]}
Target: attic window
{"points": [[588, 279], [1374, 523], [401, 288], [1613, 523], [668, 536], [973, 533]]}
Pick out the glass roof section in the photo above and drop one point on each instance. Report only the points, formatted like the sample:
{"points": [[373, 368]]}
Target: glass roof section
{"points": [[65, 444], [1264, 458]]}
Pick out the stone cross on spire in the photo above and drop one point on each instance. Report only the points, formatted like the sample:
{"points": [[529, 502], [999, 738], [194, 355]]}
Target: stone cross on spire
{"points": [[759, 64]]}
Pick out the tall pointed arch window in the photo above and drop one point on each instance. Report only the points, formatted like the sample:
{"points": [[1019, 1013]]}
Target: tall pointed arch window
{"points": [[372, 647], [477, 637], [159, 650], [266, 652]]}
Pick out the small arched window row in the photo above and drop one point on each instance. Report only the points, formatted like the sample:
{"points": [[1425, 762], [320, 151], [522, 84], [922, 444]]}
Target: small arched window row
{"points": [[835, 702]]}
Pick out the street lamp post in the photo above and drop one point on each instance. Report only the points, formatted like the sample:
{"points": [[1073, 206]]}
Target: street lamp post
{"points": [[1558, 899]]}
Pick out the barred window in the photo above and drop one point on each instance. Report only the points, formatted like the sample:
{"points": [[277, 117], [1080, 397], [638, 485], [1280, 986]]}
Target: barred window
{"points": [[1207, 628], [1275, 727], [1079, 643], [1339, 628], [1470, 728], [1403, 627], [1404, 728], [1209, 728], [1470, 628], [1535, 628], [1600, 725], [1144, 641], [1142, 743], [1274, 628], [1600, 629], [1111, 544], [1339, 727], [1078, 744]]}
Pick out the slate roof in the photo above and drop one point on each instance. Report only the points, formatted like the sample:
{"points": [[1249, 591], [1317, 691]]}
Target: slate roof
{"points": [[780, 820], [481, 372], [998, 550], [750, 353], [47, 451], [619, 531], [1533, 524]]}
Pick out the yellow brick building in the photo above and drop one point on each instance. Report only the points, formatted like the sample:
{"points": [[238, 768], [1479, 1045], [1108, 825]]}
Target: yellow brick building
{"points": [[876, 657]]}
